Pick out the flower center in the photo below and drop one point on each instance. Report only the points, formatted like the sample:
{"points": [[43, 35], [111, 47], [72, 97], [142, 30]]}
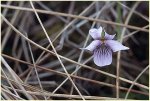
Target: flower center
{"points": [[103, 40], [102, 46]]}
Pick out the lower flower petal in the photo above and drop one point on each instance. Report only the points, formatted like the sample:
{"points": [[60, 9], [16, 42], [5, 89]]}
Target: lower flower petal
{"points": [[103, 56], [115, 45]]}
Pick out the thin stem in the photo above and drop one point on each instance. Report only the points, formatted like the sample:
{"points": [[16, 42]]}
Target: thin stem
{"points": [[135, 12], [65, 58], [8, 31], [135, 81], [75, 16], [10, 83], [63, 74], [16, 78], [119, 53], [55, 50], [36, 72]]}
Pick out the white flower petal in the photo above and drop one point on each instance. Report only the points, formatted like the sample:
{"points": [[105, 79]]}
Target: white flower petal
{"points": [[109, 37], [95, 33], [100, 29], [93, 45], [103, 56], [115, 45]]}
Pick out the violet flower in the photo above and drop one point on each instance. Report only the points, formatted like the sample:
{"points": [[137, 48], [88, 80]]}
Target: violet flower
{"points": [[103, 46]]}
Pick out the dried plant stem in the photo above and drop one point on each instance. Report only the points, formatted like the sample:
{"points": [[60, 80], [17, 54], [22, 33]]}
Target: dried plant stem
{"points": [[8, 31], [9, 82], [86, 40], [65, 95], [83, 66], [74, 16], [5, 10], [41, 55], [55, 51], [135, 81], [135, 12], [119, 53], [63, 74], [17, 97], [69, 24], [132, 33], [73, 21], [67, 78], [16, 78], [36, 72]]}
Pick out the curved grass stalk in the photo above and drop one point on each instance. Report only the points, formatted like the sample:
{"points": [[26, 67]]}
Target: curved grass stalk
{"points": [[36, 72], [72, 61], [135, 81], [9, 82], [67, 96], [86, 41], [75, 16], [76, 77], [16, 78], [3, 90], [55, 50], [132, 33], [7, 35], [135, 12], [119, 53], [5, 10]]}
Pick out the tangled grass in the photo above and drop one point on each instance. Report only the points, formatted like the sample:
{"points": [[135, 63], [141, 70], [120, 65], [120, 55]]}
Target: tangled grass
{"points": [[41, 59]]}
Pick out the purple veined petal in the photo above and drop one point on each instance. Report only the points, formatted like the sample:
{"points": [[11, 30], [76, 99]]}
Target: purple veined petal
{"points": [[103, 56], [93, 45], [115, 45], [95, 33], [108, 36]]}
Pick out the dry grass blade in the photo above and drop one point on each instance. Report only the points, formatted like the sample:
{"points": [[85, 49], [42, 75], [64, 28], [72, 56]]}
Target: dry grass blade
{"points": [[77, 77], [86, 41], [74, 16], [42, 56], [135, 81], [60, 95], [5, 10], [55, 51], [9, 82], [130, 34], [37, 75], [15, 77], [73, 21], [37, 92], [63, 30], [67, 96], [119, 53], [83, 66], [13, 20], [17, 98], [137, 13]]}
